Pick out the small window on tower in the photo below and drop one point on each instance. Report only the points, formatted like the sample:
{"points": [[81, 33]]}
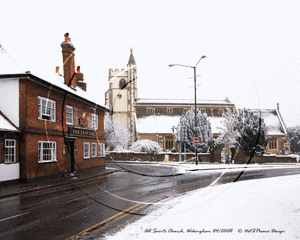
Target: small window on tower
{"points": [[122, 83]]}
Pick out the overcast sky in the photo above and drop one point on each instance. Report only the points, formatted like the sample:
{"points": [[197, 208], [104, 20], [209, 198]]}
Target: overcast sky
{"points": [[252, 47]]}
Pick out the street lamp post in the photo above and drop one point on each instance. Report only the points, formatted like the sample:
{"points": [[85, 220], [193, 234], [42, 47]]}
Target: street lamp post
{"points": [[172, 65]]}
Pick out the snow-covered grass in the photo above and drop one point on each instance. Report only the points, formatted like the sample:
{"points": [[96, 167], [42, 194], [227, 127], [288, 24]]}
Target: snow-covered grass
{"points": [[253, 209]]}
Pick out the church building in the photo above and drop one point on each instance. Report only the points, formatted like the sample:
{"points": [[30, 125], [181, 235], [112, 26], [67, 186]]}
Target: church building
{"points": [[154, 119]]}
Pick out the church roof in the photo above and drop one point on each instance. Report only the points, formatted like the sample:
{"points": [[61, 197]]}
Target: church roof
{"points": [[153, 101], [131, 58], [163, 124]]}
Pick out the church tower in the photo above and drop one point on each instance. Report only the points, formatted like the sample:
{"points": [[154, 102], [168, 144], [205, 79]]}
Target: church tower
{"points": [[122, 94]]}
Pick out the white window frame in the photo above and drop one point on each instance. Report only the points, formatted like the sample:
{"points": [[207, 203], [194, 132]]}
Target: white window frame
{"points": [[70, 109], [50, 106], [52, 149], [95, 121], [101, 149], [86, 146], [94, 150], [10, 151]]}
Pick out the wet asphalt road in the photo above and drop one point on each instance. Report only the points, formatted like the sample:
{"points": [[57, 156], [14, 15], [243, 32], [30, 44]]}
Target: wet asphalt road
{"points": [[66, 211]]}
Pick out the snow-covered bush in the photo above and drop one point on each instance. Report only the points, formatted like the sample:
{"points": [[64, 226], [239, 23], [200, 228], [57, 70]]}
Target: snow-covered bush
{"points": [[116, 136], [146, 146], [203, 130]]}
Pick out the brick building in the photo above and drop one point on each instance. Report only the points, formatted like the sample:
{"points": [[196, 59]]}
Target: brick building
{"points": [[157, 119], [57, 126], [279, 142], [153, 119]]}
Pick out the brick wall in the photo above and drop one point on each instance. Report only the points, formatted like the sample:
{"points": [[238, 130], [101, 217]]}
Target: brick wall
{"points": [[35, 130], [132, 156]]}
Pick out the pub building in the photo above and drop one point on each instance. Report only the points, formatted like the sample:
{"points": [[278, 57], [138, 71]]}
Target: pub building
{"points": [[55, 127]]}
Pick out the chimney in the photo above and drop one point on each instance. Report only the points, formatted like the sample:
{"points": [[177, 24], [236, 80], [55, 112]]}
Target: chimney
{"points": [[68, 61], [79, 79], [57, 70], [277, 106]]}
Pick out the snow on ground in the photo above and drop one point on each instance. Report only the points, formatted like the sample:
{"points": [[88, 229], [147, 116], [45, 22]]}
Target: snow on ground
{"points": [[252, 209]]}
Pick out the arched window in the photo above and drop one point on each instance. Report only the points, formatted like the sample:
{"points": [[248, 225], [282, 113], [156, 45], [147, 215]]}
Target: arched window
{"points": [[122, 83]]}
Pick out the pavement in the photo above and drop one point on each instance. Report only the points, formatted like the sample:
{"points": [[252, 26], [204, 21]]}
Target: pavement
{"points": [[67, 179], [72, 179]]}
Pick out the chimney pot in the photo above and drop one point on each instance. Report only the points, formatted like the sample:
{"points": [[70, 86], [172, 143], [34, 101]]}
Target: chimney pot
{"points": [[57, 70], [78, 69], [66, 36]]}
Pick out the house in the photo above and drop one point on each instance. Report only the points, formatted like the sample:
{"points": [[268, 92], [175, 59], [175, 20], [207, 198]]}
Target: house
{"points": [[277, 132], [50, 123]]}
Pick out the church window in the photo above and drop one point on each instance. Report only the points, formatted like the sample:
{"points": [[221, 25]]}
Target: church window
{"points": [[169, 142], [150, 110], [122, 83], [185, 110], [273, 144]]}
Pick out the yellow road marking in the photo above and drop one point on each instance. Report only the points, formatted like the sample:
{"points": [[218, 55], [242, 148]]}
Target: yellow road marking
{"points": [[112, 218]]}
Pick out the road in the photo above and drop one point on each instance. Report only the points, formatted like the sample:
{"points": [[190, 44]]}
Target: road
{"points": [[111, 201]]}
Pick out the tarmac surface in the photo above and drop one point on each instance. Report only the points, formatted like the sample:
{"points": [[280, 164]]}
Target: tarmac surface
{"points": [[14, 189]]}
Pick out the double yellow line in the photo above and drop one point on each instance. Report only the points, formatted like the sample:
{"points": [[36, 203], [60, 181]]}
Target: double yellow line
{"points": [[115, 217]]}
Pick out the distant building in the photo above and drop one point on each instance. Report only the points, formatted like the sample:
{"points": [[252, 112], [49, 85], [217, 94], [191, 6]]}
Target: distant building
{"points": [[121, 95], [279, 142], [154, 119], [49, 125]]}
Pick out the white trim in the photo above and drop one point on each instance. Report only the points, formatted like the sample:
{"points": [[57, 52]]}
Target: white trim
{"points": [[95, 122], [69, 107], [89, 150], [101, 149], [52, 109], [9, 154], [94, 147], [52, 148]]}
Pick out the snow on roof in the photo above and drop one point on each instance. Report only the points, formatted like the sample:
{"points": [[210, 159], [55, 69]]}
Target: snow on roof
{"points": [[272, 122], [163, 124], [157, 124], [179, 101], [58, 81], [9, 66], [6, 125]]}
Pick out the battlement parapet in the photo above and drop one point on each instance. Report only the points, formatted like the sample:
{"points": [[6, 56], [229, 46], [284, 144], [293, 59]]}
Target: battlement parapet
{"points": [[116, 70]]}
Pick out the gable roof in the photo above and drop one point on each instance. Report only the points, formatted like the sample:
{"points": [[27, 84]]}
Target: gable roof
{"points": [[6, 125], [273, 121]]}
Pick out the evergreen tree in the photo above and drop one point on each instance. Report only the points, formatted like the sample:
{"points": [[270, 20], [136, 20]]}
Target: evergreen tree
{"points": [[252, 130], [294, 136], [203, 130]]}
